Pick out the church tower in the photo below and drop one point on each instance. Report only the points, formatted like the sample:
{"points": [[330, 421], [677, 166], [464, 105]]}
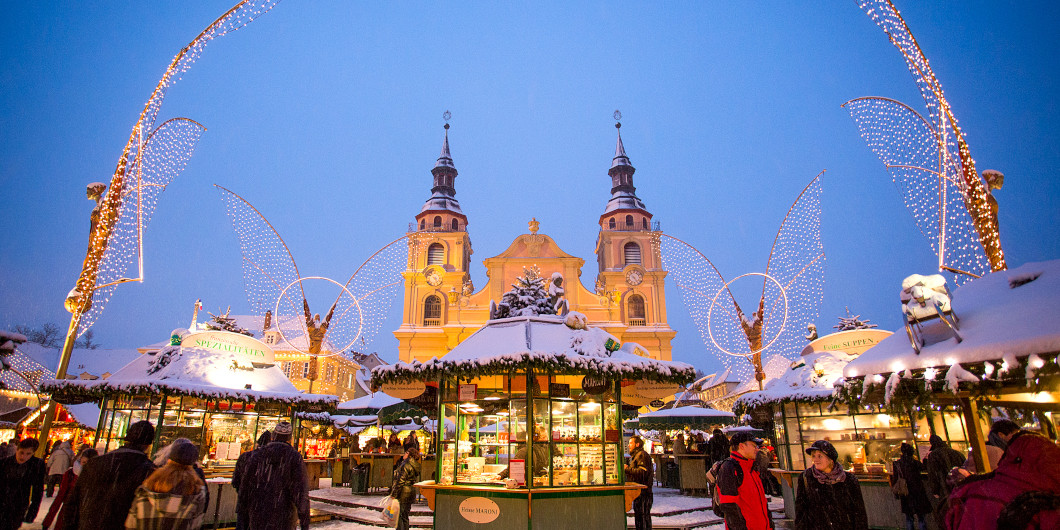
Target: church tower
{"points": [[439, 256], [630, 266]]}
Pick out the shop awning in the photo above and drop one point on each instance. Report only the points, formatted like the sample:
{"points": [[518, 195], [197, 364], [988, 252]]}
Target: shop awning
{"points": [[700, 418]]}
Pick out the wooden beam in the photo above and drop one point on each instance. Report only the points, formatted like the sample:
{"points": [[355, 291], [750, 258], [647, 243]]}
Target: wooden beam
{"points": [[976, 439]]}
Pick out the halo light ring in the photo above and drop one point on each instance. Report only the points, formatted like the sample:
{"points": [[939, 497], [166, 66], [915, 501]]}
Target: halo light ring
{"points": [[360, 326], [714, 301]]}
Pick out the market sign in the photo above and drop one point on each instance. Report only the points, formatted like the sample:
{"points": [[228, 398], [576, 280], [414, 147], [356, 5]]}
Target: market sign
{"points": [[854, 341], [404, 390], [479, 510], [467, 392], [655, 390], [226, 342], [631, 396]]}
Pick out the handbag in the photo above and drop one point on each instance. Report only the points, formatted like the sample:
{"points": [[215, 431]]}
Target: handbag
{"points": [[391, 510], [899, 486]]}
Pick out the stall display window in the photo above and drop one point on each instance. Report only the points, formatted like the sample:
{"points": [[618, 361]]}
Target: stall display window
{"points": [[561, 441]]}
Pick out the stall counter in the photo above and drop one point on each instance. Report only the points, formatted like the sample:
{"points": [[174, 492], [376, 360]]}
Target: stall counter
{"points": [[486, 508]]}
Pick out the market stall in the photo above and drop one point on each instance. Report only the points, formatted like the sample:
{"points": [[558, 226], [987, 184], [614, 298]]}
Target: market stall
{"points": [[990, 351], [535, 402], [216, 388], [691, 468]]}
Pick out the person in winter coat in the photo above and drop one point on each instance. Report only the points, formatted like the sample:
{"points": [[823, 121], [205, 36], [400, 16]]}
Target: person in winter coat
{"points": [[21, 485], [828, 497], [405, 478], [393, 445], [939, 462], [240, 472], [719, 446], [173, 497], [1023, 492], [1001, 431], [162, 456], [273, 490], [916, 505], [639, 470], [67, 485], [743, 501], [107, 484], [61, 459]]}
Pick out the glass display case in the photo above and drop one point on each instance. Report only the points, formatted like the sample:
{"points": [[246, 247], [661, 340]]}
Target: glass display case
{"points": [[554, 434], [866, 439]]}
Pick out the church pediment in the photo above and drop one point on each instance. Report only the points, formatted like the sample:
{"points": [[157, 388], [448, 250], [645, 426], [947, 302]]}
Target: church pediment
{"points": [[533, 246]]}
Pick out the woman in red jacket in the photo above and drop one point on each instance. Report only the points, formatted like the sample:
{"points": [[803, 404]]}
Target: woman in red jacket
{"points": [[65, 486]]}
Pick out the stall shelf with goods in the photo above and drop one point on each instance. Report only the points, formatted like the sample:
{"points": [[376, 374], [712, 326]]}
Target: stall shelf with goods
{"points": [[535, 401]]}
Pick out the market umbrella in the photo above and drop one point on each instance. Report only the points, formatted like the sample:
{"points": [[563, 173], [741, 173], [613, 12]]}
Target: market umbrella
{"points": [[701, 418]]}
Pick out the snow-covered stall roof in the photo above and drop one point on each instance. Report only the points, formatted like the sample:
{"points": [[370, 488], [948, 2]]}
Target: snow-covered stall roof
{"points": [[85, 414], [94, 362], [542, 342], [377, 401], [691, 416], [812, 381], [195, 371], [1013, 313]]}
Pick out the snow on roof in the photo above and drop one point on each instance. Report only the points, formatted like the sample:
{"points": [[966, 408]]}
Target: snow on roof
{"points": [[196, 371], [544, 340], [688, 412], [96, 362], [996, 319], [376, 401], [85, 414], [811, 381]]}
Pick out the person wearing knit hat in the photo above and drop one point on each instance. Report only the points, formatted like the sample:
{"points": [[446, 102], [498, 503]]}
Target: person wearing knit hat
{"points": [[273, 491], [828, 496], [107, 485], [174, 496]]}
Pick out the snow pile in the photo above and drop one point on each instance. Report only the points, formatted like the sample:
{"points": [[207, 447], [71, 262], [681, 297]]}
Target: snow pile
{"points": [[540, 342], [956, 374], [811, 379], [1003, 315], [198, 372]]}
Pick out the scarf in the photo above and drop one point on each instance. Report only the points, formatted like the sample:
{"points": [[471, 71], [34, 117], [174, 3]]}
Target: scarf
{"points": [[837, 474]]}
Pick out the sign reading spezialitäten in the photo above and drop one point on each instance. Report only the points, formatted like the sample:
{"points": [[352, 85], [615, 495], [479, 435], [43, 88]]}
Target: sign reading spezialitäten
{"points": [[249, 348]]}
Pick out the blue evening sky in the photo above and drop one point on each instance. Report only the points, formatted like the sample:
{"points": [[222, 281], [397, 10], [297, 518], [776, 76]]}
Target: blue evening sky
{"points": [[326, 115]]}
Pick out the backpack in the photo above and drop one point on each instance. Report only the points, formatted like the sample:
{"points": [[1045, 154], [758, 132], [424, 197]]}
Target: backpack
{"points": [[712, 479]]}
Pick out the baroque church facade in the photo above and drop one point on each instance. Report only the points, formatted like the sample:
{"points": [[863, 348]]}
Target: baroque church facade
{"points": [[441, 307]]}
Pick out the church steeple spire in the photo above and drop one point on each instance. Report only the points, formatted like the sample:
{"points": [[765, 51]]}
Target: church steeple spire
{"points": [[623, 193], [443, 192]]}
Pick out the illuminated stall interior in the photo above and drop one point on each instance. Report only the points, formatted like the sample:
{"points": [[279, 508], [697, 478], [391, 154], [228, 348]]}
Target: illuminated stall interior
{"points": [[207, 390]]}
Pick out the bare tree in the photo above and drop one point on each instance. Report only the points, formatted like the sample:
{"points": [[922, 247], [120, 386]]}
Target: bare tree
{"points": [[48, 335], [86, 341]]}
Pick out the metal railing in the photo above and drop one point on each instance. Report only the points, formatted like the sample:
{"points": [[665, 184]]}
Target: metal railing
{"points": [[638, 322], [432, 322], [413, 227], [654, 226]]}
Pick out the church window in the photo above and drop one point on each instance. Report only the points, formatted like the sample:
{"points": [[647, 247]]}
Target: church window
{"points": [[629, 222], [456, 225], [437, 221], [645, 221], [423, 224], [435, 254], [635, 311], [611, 223], [632, 253], [432, 311]]}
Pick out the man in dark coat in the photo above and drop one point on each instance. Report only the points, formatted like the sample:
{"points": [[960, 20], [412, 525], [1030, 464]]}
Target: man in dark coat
{"points": [[21, 485], [916, 505], [105, 489], [240, 471], [719, 446], [939, 462], [406, 476], [273, 491], [639, 470]]}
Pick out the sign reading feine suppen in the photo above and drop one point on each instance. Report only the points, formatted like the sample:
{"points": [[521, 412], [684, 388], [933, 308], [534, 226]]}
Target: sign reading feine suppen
{"points": [[479, 510], [404, 390], [853, 341], [225, 342]]}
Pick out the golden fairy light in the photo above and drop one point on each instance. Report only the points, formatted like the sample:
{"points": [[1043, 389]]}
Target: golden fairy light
{"points": [[930, 161]]}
